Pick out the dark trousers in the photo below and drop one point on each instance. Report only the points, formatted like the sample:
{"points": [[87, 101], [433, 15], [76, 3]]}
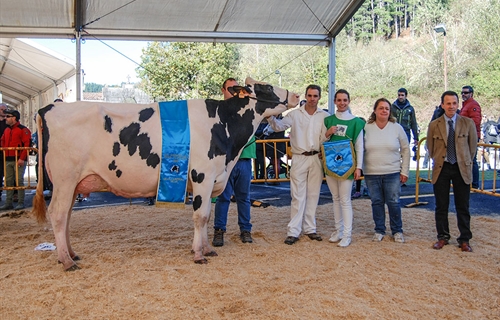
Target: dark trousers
{"points": [[2, 173], [475, 172], [461, 191]]}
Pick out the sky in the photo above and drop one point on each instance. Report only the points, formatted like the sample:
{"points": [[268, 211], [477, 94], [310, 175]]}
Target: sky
{"points": [[100, 63]]}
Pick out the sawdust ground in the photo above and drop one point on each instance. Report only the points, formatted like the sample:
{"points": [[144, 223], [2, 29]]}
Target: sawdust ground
{"points": [[136, 264]]}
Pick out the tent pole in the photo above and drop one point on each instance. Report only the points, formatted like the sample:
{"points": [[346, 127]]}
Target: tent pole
{"points": [[331, 75], [78, 66]]}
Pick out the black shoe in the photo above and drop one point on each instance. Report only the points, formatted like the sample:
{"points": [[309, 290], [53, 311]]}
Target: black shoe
{"points": [[218, 238], [7, 207], [314, 236], [291, 240], [246, 237]]}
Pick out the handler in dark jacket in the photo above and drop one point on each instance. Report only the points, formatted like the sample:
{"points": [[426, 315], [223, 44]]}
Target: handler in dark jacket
{"points": [[15, 135]]}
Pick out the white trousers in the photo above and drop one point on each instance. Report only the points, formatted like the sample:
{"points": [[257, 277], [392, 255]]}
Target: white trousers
{"points": [[306, 176], [342, 207]]}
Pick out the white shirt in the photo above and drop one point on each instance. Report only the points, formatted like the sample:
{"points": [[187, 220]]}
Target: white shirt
{"points": [[306, 129]]}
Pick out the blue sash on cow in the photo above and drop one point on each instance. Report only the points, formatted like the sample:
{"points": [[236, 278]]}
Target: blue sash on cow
{"points": [[338, 158], [172, 183]]}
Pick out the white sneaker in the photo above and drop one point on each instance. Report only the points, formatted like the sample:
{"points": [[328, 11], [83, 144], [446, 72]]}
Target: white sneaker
{"points": [[345, 242], [336, 237], [398, 237], [378, 237]]}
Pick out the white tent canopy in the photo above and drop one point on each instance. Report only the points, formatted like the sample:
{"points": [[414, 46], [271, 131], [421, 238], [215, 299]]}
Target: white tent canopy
{"points": [[255, 21], [305, 22], [27, 70]]}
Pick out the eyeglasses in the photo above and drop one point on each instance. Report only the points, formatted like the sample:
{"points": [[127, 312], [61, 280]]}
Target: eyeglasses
{"points": [[466, 92], [8, 116]]}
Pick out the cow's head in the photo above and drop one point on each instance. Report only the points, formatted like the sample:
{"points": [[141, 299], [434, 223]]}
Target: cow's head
{"points": [[270, 101]]}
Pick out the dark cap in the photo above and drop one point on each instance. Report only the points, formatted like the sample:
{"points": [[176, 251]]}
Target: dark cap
{"points": [[13, 112]]}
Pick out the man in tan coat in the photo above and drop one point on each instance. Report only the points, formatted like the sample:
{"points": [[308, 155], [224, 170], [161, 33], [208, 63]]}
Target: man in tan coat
{"points": [[453, 155]]}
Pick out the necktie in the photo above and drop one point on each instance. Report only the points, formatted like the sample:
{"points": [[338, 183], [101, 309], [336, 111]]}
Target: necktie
{"points": [[450, 149]]}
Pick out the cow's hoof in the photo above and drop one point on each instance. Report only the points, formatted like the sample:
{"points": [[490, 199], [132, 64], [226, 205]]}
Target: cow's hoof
{"points": [[73, 268], [201, 261], [75, 258], [211, 254]]}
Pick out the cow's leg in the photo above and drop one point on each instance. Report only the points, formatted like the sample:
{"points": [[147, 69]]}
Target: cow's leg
{"points": [[72, 253], [201, 247], [60, 214]]}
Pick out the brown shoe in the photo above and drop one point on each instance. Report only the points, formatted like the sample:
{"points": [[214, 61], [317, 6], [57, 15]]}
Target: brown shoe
{"points": [[314, 236], [218, 238], [465, 247], [246, 237], [440, 244]]}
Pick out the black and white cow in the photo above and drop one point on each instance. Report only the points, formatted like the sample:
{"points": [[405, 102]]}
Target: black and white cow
{"points": [[91, 146]]}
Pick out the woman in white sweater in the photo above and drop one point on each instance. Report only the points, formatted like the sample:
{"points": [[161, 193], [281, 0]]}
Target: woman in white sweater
{"points": [[386, 165]]}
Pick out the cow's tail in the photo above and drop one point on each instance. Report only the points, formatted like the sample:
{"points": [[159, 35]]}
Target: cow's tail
{"points": [[39, 205]]}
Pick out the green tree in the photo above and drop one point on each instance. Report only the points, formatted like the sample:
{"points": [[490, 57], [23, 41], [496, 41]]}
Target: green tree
{"points": [[93, 87], [182, 70]]}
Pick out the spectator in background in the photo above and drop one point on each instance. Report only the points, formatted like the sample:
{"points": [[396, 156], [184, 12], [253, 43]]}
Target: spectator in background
{"points": [[15, 135], [405, 115], [471, 109], [275, 154], [239, 184], [386, 166], [3, 126], [306, 173], [260, 161], [452, 143]]}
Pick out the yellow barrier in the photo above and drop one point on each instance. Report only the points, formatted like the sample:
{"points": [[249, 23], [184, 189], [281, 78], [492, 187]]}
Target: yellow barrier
{"points": [[284, 156], [30, 184], [483, 153], [482, 147]]}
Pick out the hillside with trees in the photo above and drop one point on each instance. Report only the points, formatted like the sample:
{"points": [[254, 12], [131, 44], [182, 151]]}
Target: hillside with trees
{"points": [[386, 45]]}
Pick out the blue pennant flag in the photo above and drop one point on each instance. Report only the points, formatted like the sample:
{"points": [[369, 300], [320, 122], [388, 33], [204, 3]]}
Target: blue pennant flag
{"points": [[172, 183], [338, 158]]}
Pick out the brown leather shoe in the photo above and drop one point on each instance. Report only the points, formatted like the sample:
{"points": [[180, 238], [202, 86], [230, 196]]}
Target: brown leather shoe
{"points": [[465, 247], [440, 244]]}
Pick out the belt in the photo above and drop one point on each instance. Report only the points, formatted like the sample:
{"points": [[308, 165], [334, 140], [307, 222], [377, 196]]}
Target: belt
{"points": [[310, 153]]}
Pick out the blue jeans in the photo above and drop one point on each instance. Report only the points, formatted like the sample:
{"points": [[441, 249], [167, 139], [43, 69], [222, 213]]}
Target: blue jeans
{"points": [[385, 189], [239, 184]]}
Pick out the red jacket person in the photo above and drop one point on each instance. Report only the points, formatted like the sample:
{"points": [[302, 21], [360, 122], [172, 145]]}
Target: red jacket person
{"points": [[15, 135]]}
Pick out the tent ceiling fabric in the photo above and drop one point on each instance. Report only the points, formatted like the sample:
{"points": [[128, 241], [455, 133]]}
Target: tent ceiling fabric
{"points": [[27, 70], [24, 73], [255, 21]]}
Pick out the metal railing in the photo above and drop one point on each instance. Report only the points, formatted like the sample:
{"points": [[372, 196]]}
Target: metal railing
{"points": [[483, 150], [29, 183]]}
